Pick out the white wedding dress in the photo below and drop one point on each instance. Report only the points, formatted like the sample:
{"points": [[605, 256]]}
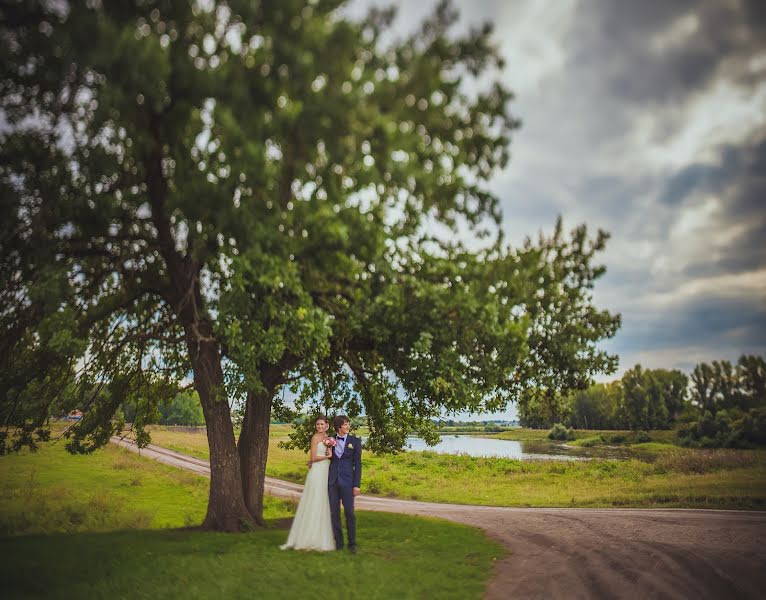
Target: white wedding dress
{"points": [[312, 528]]}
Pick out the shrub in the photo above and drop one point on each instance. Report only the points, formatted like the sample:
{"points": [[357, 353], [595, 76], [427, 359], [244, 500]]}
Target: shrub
{"points": [[596, 440], [560, 432], [642, 437], [617, 438], [721, 431], [751, 428]]}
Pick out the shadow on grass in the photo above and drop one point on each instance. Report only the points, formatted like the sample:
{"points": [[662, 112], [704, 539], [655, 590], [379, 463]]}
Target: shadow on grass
{"points": [[399, 556]]}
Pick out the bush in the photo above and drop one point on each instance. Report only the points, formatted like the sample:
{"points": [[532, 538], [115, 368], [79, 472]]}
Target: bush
{"points": [[642, 437], [617, 438], [596, 440], [560, 432], [751, 428], [721, 431]]}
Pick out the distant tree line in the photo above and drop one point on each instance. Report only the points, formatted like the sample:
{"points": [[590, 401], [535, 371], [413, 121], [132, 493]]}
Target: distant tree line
{"points": [[730, 402], [717, 401], [184, 409]]}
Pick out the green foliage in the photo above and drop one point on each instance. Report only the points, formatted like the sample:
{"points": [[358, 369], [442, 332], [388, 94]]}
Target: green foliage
{"points": [[590, 442], [643, 399], [642, 437], [650, 399], [653, 399], [720, 430], [195, 191], [721, 386], [597, 406], [732, 403], [542, 408], [560, 432], [751, 428], [184, 409]]}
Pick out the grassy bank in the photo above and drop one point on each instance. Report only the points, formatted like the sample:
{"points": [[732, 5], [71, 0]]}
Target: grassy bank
{"points": [[520, 434], [717, 479], [51, 491], [660, 476], [112, 525]]}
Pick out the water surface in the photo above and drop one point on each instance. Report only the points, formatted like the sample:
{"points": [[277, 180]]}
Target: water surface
{"points": [[488, 447]]}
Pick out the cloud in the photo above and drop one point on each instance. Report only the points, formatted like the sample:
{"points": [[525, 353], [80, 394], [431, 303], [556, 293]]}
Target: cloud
{"points": [[656, 52], [647, 120], [718, 324], [722, 206]]}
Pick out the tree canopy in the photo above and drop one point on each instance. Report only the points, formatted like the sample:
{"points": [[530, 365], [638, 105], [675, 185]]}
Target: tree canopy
{"points": [[261, 195]]}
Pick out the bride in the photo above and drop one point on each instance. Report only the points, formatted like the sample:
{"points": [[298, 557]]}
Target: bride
{"points": [[312, 528]]}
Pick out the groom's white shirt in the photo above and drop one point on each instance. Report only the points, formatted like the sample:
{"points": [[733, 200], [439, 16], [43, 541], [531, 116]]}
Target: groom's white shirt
{"points": [[340, 446]]}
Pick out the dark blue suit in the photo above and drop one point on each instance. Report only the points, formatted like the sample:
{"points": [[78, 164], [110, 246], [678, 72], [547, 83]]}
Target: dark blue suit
{"points": [[345, 475]]}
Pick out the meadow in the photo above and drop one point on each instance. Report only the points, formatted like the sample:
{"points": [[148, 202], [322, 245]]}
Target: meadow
{"points": [[114, 524], [658, 474]]}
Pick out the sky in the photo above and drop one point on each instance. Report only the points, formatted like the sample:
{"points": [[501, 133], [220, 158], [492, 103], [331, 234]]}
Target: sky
{"points": [[647, 120]]}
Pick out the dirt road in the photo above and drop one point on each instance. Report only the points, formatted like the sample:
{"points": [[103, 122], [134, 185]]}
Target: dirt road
{"points": [[590, 553]]}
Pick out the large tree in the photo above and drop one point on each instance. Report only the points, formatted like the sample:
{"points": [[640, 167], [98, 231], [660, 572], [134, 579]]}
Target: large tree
{"points": [[259, 194]]}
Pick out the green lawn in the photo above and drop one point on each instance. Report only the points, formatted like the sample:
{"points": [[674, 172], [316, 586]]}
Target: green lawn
{"points": [[661, 475], [115, 525]]}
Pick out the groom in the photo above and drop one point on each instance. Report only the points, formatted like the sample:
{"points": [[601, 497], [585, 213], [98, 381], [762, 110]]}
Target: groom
{"points": [[344, 481]]}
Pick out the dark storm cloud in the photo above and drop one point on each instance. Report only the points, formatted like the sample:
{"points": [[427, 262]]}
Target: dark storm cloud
{"points": [[707, 329], [688, 180], [664, 51], [739, 180], [739, 175], [747, 253]]}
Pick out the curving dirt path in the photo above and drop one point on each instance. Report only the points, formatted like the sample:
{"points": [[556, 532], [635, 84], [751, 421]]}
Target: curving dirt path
{"points": [[588, 553]]}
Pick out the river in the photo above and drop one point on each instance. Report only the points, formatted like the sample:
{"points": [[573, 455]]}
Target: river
{"points": [[488, 447]]}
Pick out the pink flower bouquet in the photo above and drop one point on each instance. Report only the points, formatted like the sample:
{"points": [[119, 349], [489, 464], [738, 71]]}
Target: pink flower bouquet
{"points": [[330, 442]]}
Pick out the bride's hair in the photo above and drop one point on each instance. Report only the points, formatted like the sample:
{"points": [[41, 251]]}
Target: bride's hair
{"points": [[321, 417]]}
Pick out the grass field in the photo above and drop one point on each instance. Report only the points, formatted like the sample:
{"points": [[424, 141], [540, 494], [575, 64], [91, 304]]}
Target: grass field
{"points": [[660, 475], [115, 525]]}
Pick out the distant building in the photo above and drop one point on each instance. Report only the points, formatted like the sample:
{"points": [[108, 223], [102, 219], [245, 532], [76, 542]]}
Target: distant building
{"points": [[75, 415]]}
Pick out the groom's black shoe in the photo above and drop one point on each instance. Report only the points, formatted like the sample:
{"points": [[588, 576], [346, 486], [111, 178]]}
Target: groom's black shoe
{"points": [[352, 549]]}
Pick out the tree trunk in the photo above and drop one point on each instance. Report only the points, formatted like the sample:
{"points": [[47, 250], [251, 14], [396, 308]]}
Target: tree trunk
{"points": [[226, 509], [254, 449]]}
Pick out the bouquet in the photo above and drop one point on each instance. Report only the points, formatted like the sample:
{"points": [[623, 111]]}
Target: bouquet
{"points": [[332, 442]]}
